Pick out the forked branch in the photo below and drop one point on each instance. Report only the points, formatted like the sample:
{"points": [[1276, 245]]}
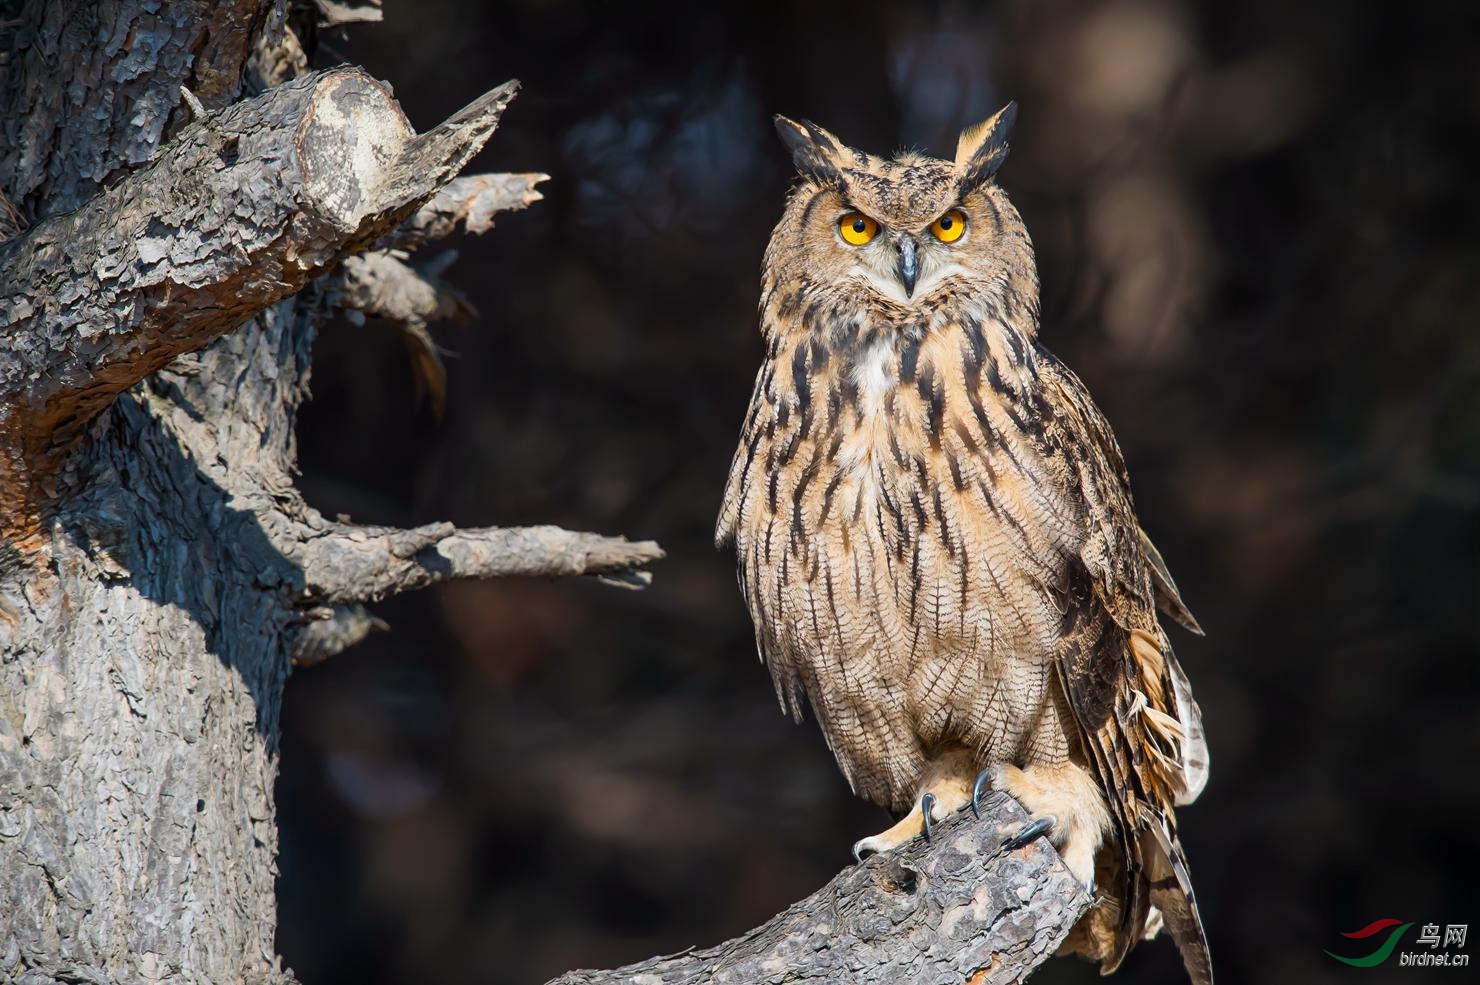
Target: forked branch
{"points": [[242, 210]]}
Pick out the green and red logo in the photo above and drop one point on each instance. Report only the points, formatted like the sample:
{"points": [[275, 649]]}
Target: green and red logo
{"points": [[1391, 930], [1380, 955]]}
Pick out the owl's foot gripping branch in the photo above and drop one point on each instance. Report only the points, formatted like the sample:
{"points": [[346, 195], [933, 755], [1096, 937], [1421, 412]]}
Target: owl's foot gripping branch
{"points": [[962, 906]]}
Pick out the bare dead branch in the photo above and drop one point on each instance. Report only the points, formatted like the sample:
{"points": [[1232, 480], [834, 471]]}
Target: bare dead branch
{"points": [[348, 563], [241, 211], [470, 201], [328, 630], [434, 158], [379, 284], [954, 909], [335, 13]]}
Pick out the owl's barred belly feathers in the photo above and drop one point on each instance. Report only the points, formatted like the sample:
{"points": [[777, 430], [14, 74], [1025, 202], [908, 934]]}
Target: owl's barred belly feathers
{"points": [[903, 537]]}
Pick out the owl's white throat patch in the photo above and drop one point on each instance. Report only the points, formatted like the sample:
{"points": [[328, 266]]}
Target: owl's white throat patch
{"points": [[872, 376], [875, 377]]}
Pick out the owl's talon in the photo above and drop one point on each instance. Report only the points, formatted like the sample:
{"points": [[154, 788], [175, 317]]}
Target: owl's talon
{"points": [[982, 780], [927, 807], [1034, 830], [919, 821]]}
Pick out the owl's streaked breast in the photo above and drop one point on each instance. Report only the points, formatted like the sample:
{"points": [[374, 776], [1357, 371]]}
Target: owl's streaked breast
{"points": [[901, 537]]}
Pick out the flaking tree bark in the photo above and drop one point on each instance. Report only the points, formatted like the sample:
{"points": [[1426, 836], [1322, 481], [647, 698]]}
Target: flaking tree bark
{"points": [[181, 203]]}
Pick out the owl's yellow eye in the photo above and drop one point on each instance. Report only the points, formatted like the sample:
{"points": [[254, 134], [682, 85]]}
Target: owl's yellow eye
{"points": [[949, 227], [857, 228]]}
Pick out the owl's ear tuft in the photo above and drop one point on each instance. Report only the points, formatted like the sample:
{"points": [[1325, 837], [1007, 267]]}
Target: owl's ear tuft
{"points": [[982, 149], [815, 152]]}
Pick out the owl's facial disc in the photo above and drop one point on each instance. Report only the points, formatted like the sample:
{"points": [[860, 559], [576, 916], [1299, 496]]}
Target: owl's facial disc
{"points": [[905, 267]]}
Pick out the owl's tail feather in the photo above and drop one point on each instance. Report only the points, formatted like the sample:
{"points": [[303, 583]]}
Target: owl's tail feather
{"points": [[1171, 893]]}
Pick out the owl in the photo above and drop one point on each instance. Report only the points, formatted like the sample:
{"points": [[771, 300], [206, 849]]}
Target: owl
{"points": [[936, 538]]}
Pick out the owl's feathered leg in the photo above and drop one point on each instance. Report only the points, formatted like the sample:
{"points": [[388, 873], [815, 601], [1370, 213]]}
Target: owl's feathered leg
{"points": [[945, 789], [1067, 805]]}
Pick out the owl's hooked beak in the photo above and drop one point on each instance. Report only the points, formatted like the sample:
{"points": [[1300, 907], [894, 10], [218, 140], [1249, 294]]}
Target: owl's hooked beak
{"points": [[909, 267]]}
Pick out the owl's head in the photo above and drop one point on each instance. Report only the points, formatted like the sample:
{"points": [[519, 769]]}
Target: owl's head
{"points": [[908, 234]]}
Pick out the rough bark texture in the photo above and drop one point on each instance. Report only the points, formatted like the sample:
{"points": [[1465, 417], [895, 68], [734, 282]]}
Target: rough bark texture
{"points": [[159, 574], [955, 909], [90, 89]]}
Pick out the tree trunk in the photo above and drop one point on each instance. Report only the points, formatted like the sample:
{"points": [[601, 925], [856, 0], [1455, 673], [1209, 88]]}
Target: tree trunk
{"points": [[159, 574]]}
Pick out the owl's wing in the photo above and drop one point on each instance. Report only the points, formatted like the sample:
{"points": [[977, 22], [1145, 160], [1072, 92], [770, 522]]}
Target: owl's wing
{"points": [[1128, 577], [746, 490], [1140, 726]]}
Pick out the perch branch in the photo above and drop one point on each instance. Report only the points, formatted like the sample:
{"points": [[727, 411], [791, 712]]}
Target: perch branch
{"points": [[347, 563], [957, 909], [242, 210]]}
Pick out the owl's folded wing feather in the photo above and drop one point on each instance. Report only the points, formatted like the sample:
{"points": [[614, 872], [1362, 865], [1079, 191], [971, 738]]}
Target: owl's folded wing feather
{"points": [[751, 485], [1130, 578], [1140, 726], [1168, 598]]}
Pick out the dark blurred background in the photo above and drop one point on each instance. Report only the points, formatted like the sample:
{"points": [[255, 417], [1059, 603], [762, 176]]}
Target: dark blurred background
{"points": [[1256, 230]]}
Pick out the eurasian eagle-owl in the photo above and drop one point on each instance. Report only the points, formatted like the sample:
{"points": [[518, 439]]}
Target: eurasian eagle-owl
{"points": [[936, 538]]}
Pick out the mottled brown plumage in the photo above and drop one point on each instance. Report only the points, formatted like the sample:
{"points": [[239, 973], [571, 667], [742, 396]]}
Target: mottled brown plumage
{"points": [[936, 537]]}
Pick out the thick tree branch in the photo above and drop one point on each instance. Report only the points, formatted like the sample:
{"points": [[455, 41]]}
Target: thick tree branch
{"points": [[957, 909], [243, 210], [346, 563]]}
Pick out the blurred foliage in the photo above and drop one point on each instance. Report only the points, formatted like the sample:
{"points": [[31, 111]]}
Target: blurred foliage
{"points": [[1256, 235]]}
